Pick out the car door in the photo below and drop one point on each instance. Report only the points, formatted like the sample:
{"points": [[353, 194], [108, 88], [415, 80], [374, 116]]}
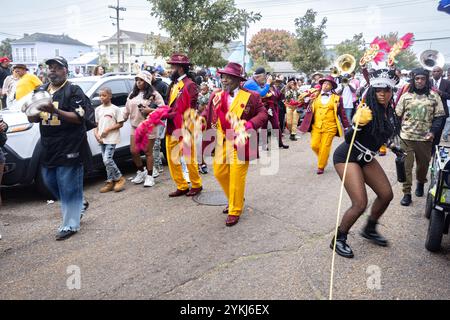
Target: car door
{"points": [[120, 93]]}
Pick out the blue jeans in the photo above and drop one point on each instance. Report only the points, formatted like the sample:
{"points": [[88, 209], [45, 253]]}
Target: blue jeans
{"points": [[112, 171], [66, 184], [446, 129], [348, 113]]}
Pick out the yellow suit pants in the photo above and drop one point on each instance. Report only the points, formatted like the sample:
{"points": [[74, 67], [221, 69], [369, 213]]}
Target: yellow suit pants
{"points": [[321, 143], [231, 174], [292, 117], [174, 154]]}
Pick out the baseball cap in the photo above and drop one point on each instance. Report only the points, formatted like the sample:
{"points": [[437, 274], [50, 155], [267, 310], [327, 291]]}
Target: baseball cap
{"points": [[4, 59], [59, 60]]}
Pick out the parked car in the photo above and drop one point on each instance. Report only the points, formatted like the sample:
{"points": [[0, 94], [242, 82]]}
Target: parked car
{"points": [[23, 149]]}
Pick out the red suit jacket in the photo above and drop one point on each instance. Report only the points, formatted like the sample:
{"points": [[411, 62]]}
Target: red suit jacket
{"points": [[187, 99], [254, 112]]}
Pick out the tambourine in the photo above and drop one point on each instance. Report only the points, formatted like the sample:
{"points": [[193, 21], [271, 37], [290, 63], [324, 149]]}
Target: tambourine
{"points": [[34, 104]]}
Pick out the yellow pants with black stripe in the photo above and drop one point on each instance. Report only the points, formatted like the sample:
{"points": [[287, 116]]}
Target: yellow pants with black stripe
{"points": [[174, 153], [232, 175]]}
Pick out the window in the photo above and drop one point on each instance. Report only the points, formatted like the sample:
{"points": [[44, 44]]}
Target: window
{"points": [[111, 51], [56, 52], [17, 54], [33, 56], [25, 58], [119, 90]]}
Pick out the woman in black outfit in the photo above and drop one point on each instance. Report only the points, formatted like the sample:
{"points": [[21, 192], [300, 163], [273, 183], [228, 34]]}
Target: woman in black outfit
{"points": [[378, 124]]}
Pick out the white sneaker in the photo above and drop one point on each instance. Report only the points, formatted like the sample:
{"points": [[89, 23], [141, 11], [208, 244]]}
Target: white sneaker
{"points": [[155, 173], [149, 181], [140, 177]]}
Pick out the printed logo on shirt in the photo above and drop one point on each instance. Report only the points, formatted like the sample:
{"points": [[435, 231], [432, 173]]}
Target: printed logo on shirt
{"points": [[73, 155]]}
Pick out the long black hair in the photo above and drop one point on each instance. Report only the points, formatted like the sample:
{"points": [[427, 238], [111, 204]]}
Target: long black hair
{"points": [[426, 90], [385, 121], [149, 91]]}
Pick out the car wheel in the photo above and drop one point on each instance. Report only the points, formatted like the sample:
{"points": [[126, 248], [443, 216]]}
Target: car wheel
{"points": [[435, 230], [40, 186], [429, 206]]}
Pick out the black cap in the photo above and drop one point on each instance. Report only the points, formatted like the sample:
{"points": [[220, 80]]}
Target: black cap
{"points": [[260, 71], [150, 69], [59, 60]]}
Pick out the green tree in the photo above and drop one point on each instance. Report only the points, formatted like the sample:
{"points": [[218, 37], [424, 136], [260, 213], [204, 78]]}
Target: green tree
{"points": [[5, 48], [309, 53], [196, 26], [405, 60], [354, 47], [271, 45]]}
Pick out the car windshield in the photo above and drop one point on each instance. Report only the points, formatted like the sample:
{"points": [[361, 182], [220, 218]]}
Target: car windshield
{"points": [[84, 85]]}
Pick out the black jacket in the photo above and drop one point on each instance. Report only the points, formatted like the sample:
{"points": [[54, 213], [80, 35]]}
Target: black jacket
{"points": [[162, 88], [445, 89], [4, 72]]}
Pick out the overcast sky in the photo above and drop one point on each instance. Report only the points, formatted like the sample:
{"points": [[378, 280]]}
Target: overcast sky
{"points": [[89, 22]]}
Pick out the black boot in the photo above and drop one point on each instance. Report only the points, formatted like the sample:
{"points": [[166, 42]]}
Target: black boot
{"points": [[370, 233], [406, 201], [419, 189], [342, 248]]}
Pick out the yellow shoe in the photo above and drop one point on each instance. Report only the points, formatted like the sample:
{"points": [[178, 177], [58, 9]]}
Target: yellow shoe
{"points": [[109, 186], [120, 185]]}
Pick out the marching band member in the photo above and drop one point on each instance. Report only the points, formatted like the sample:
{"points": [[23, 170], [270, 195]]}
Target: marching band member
{"points": [[232, 105], [377, 124], [323, 122], [183, 97]]}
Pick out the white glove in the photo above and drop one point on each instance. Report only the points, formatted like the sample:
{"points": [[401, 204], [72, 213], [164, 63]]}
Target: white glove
{"points": [[270, 112]]}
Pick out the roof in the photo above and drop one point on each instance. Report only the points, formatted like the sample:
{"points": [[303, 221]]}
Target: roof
{"points": [[282, 67], [130, 36], [49, 38], [90, 58]]}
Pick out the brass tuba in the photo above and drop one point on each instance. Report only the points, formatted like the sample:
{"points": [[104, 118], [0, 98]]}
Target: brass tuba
{"points": [[432, 58], [345, 64]]}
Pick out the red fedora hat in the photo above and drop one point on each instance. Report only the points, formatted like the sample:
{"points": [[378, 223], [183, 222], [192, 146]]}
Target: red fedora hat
{"points": [[233, 69], [180, 59], [329, 79]]}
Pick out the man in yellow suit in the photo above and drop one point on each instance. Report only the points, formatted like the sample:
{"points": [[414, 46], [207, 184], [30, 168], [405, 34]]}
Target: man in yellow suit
{"points": [[324, 125], [183, 97], [27, 83], [229, 109]]}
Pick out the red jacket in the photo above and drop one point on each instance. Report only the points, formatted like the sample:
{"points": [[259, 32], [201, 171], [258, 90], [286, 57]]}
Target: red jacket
{"points": [[186, 100], [254, 112]]}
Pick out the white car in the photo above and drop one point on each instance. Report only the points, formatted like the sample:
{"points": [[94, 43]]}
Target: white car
{"points": [[23, 149]]}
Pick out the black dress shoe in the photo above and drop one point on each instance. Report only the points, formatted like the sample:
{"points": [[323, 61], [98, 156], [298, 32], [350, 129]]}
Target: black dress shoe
{"points": [[293, 137], [283, 146], [419, 190], [342, 248], [370, 233], [406, 201], [64, 235]]}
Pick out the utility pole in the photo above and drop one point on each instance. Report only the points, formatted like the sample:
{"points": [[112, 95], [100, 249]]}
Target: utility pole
{"points": [[118, 8], [245, 47]]}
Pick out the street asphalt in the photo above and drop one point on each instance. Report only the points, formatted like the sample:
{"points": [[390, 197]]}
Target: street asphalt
{"points": [[139, 244]]}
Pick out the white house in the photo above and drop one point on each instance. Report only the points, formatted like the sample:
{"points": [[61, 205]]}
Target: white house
{"points": [[36, 48], [133, 47]]}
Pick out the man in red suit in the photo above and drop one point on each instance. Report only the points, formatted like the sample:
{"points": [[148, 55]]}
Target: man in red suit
{"points": [[183, 98], [236, 113]]}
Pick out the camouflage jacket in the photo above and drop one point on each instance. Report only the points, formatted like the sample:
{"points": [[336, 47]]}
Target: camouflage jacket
{"points": [[420, 115]]}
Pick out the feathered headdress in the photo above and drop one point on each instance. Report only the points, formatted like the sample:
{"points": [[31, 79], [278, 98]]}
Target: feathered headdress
{"points": [[404, 43], [376, 51]]}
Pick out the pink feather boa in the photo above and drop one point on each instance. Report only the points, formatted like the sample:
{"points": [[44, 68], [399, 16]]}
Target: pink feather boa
{"points": [[146, 127]]}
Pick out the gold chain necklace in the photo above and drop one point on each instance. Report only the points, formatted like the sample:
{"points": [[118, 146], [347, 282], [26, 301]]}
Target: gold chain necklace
{"points": [[53, 90]]}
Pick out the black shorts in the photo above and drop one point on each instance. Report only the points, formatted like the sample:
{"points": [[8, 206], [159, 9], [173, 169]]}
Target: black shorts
{"points": [[340, 155]]}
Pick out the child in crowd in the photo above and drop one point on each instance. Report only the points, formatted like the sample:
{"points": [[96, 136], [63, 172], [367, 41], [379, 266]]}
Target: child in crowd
{"points": [[109, 120]]}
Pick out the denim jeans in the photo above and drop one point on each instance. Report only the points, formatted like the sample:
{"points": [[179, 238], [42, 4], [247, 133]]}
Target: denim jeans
{"points": [[157, 161], [446, 129], [112, 171], [349, 113], [66, 184]]}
